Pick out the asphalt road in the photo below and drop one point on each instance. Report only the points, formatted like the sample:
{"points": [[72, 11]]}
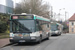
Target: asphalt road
{"points": [[63, 42]]}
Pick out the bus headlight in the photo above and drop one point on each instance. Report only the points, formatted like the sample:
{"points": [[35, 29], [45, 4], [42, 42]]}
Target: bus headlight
{"points": [[11, 35], [56, 31], [11, 38], [33, 37]]}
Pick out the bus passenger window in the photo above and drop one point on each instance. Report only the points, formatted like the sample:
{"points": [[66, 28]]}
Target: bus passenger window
{"points": [[48, 25]]}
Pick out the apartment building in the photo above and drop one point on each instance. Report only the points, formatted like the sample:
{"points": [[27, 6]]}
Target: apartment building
{"points": [[6, 6]]}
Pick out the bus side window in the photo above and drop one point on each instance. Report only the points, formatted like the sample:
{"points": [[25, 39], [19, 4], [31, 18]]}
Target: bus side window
{"points": [[38, 26], [47, 25], [40, 29], [58, 28]]}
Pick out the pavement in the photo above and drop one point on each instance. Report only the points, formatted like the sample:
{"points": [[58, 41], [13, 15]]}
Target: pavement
{"points": [[4, 42]]}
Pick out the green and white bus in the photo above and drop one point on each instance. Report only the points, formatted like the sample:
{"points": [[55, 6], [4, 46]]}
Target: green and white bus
{"points": [[28, 28], [56, 28]]}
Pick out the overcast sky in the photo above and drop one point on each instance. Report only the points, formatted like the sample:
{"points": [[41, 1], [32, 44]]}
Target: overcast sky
{"points": [[69, 6]]}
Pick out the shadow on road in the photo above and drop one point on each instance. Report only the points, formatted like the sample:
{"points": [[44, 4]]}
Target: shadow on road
{"points": [[29, 43]]}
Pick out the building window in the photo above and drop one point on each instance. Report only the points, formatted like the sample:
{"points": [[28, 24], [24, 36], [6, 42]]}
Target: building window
{"points": [[72, 29], [72, 23]]}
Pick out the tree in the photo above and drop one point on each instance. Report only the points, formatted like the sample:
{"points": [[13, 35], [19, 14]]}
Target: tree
{"points": [[3, 22], [3, 27], [37, 7]]}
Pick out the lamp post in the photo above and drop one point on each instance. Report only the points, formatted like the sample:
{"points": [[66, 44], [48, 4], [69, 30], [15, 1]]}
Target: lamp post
{"points": [[65, 12], [30, 11], [51, 13], [54, 15], [65, 15], [59, 13]]}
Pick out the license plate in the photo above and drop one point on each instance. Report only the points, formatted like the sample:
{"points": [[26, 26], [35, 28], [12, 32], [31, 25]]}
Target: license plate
{"points": [[22, 41]]}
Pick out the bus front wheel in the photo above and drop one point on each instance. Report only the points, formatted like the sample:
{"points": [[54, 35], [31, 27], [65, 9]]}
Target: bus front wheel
{"points": [[40, 39], [48, 37]]}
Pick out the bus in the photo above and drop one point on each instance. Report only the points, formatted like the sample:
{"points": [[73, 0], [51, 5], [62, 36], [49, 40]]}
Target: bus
{"points": [[28, 28], [56, 29]]}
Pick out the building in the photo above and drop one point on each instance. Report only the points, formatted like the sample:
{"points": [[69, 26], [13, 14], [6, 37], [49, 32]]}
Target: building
{"points": [[2, 9], [6, 6], [72, 24]]}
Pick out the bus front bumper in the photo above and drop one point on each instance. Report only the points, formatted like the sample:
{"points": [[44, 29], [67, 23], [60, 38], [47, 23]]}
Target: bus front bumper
{"points": [[53, 33], [24, 39]]}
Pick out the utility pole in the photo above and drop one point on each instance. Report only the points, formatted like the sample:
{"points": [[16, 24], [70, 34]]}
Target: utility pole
{"points": [[59, 13], [65, 15], [30, 11], [54, 15], [51, 13]]}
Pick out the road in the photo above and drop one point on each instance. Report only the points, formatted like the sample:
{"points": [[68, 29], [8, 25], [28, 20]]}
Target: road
{"points": [[63, 42]]}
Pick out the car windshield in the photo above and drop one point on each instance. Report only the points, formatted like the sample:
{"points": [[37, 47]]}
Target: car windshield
{"points": [[23, 26]]}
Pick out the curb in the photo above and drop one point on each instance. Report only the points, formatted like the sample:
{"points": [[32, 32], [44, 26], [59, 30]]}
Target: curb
{"points": [[7, 45], [4, 42]]}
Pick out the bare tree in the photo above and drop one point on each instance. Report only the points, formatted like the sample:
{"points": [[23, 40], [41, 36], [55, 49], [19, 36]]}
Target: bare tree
{"points": [[37, 7]]}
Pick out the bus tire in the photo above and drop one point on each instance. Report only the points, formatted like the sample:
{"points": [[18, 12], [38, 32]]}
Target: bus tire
{"points": [[19, 43], [48, 36], [40, 39]]}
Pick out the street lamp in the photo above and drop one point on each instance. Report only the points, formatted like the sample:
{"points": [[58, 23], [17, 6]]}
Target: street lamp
{"points": [[64, 12], [30, 11], [59, 13]]}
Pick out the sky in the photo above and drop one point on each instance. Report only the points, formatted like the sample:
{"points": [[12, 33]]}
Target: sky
{"points": [[61, 4]]}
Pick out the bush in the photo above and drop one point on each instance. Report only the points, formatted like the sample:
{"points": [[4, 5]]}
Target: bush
{"points": [[3, 26], [4, 22]]}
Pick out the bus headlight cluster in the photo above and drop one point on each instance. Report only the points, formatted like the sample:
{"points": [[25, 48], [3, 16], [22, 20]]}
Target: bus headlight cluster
{"points": [[33, 37], [11, 35], [11, 38], [56, 31], [16, 34]]}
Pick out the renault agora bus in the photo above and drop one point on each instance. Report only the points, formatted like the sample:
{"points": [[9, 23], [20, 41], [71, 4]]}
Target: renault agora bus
{"points": [[28, 28], [56, 29]]}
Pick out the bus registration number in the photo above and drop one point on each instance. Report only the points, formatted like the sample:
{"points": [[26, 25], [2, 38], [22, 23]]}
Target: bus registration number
{"points": [[21, 40]]}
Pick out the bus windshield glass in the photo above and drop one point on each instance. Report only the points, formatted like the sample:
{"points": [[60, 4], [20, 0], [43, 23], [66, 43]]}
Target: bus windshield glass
{"points": [[54, 27], [23, 26]]}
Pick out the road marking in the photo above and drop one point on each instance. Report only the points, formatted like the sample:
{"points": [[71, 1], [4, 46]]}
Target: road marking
{"points": [[23, 49], [37, 48], [12, 49]]}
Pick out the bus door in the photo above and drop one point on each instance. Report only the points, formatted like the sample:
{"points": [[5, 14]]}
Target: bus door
{"points": [[44, 30]]}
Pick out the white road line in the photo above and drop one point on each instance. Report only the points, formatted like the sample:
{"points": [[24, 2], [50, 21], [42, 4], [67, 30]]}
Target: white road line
{"points": [[37, 48], [12, 49], [23, 49]]}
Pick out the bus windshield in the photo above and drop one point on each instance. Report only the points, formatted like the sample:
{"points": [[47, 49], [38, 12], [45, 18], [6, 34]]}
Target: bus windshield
{"points": [[23, 26], [54, 27]]}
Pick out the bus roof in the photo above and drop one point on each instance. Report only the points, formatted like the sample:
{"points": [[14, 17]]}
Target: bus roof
{"points": [[41, 18], [35, 17]]}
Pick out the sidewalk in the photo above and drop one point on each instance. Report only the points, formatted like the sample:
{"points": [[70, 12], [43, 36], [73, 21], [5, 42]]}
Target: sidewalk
{"points": [[4, 42]]}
